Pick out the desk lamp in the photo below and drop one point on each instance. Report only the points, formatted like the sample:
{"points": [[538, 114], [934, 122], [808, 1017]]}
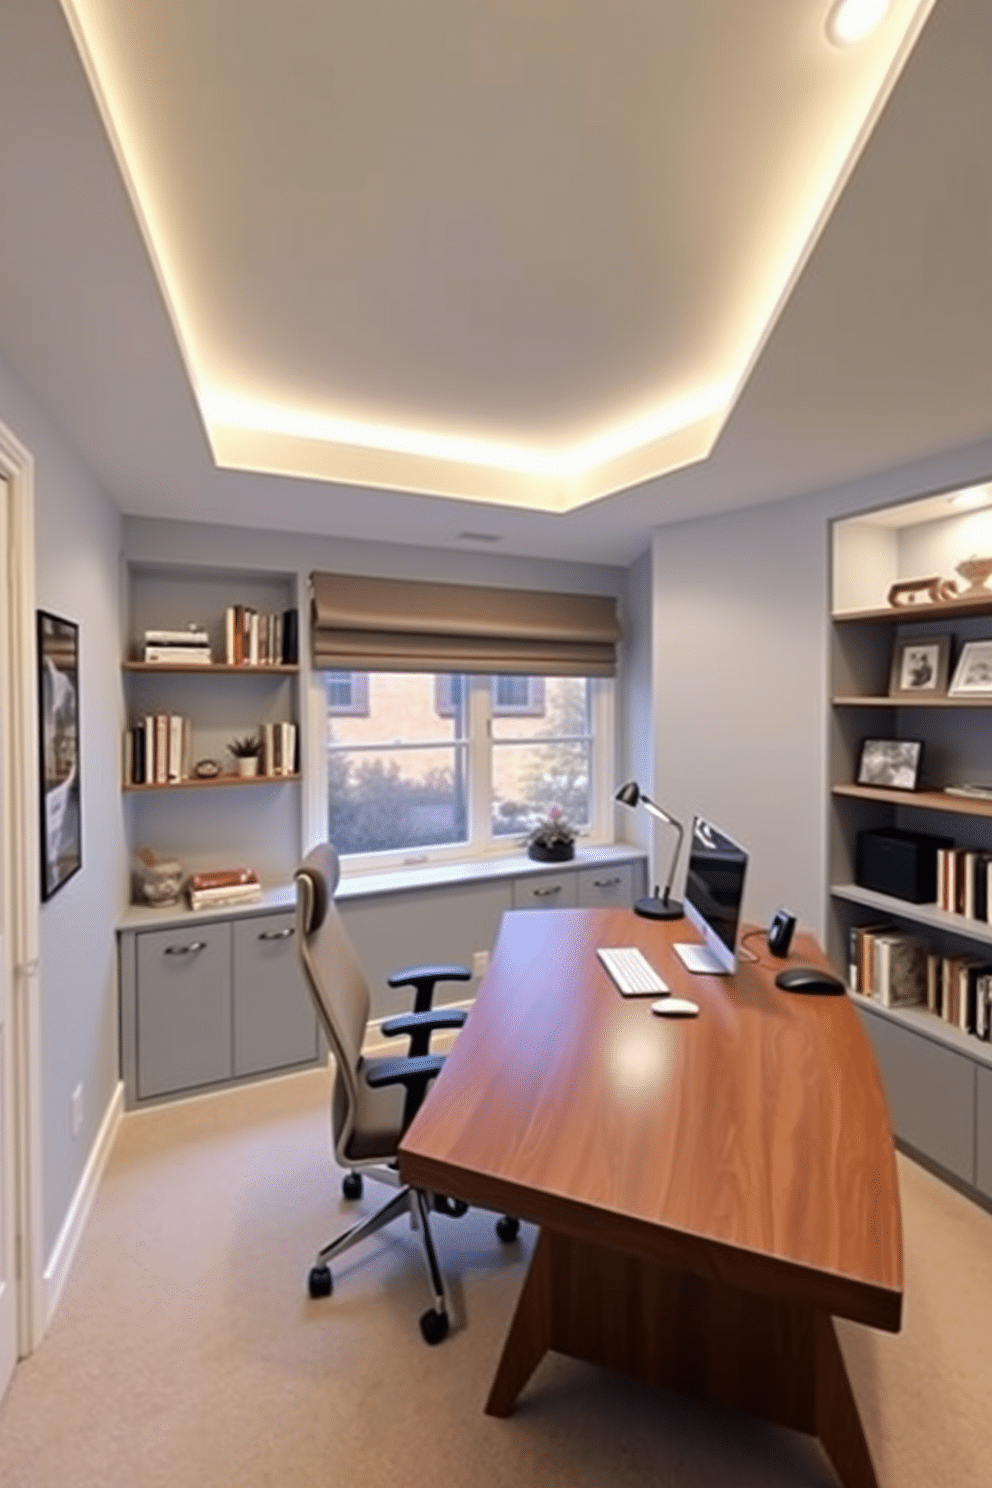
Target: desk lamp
{"points": [[654, 907]]}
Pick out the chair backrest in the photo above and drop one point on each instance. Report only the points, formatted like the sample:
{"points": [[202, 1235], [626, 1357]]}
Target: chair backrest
{"points": [[337, 985]]}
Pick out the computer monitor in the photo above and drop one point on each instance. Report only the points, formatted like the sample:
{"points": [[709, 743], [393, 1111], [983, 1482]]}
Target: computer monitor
{"points": [[714, 891]]}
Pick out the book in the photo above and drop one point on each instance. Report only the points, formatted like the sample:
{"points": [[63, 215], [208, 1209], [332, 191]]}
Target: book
{"points": [[223, 878], [229, 635], [235, 894], [979, 792], [267, 765], [900, 970], [290, 638], [174, 655], [192, 636]]}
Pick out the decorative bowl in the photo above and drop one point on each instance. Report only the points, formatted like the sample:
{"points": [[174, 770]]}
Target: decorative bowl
{"points": [[976, 570]]}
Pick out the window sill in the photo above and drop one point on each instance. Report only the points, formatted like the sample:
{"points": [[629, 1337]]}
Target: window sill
{"points": [[478, 870]]}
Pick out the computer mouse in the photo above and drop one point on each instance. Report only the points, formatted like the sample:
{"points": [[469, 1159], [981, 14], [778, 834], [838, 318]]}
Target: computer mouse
{"points": [[675, 1007], [810, 979]]}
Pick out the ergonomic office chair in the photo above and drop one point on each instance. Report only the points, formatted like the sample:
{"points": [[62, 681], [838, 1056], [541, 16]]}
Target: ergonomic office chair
{"points": [[374, 1099]]}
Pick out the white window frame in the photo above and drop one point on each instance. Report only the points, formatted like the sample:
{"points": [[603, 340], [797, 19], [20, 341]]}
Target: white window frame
{"points": [[481, 845]]}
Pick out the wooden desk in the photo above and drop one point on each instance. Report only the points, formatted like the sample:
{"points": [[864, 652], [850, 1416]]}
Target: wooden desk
{"points": [[709, 1191]]}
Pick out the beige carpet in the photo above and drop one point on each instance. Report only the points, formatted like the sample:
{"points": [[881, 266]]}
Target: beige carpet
{"points": [[186, 1351]]}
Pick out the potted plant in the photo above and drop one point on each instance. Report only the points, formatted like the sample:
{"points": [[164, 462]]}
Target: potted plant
{"points": [[553, 839], [246, 753]]}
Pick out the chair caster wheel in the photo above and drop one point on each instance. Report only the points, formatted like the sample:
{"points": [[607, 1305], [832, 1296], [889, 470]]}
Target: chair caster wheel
{"points": [[507, 1229], [434, 1326], [319, 1283], [453, 1208], [351, 1185]]}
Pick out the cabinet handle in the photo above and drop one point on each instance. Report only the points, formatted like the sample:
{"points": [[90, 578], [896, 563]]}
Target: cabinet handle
{"points": [[605, 883], [186, 950], [547, 893], [282, 934]]}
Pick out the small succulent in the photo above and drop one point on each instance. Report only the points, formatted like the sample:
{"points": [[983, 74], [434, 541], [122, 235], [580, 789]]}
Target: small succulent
{"points": [[247, 748], [553, 830]]}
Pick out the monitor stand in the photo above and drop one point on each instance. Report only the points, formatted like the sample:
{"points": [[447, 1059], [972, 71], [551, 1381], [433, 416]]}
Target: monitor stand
{"points": [[699, 959]]}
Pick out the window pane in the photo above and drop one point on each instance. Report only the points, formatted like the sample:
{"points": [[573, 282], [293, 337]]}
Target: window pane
{"points": [[385, 798], [529, 778], [551, 707], [388, 799]]}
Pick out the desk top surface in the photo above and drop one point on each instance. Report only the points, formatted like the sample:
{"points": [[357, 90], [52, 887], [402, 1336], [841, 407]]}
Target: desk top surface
{"points": [[751, 1144]]}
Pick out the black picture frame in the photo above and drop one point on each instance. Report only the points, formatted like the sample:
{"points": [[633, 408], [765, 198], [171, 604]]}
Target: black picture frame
{"points": [[893, 764], [60, 803]]}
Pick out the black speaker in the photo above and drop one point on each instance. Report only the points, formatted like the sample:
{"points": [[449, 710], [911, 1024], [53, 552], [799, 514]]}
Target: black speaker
{"points": [[780, 932]]}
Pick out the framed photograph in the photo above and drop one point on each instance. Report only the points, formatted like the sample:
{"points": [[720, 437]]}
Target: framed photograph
{"points": [[973, 673], [58, 741], [920, 666], [893, 763]]}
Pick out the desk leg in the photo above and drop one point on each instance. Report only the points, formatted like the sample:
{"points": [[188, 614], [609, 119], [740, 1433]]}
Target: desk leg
{"points": [[529, 1337], [777, 1360]]}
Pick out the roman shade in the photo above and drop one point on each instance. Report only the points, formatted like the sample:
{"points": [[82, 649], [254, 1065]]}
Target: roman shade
{"points": [[407, 625]]}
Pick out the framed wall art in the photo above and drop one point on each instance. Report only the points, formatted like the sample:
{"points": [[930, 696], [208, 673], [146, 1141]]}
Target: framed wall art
{"points": [[973, 673], [58, 756]]}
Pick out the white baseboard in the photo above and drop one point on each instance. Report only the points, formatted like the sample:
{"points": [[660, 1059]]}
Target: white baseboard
{"points": [[60, 1261]]}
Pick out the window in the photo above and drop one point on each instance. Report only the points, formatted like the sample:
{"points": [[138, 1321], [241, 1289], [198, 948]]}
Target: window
{"points": [[347, 693], [510, 695], [456, 765]]}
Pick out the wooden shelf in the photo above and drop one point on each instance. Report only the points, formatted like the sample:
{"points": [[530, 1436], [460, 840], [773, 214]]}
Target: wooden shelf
{"points": [[917, 800], [214, 782], [193, 668], [920, 914], [850, 700], [950, 609]]}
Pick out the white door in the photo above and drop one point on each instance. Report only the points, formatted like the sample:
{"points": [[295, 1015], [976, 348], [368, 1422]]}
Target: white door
{"points": [[8, 1273]]}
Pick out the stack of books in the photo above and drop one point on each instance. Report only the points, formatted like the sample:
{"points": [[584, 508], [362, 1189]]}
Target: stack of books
{"points": [[255, 639], [963, 882], [157, 750], [178, 647], [223, 886], [899, 970], [278, 749]]}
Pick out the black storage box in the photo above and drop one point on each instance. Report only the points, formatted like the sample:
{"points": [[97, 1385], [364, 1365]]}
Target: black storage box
{"points": [[900, 863]]}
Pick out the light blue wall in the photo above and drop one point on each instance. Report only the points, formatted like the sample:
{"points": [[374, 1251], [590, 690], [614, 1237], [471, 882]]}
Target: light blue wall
{"points": [[741, 607], [77, 543]]}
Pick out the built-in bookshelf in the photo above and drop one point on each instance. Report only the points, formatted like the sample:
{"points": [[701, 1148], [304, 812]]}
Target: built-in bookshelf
{"points": [[938, 1075], [227, 818]]}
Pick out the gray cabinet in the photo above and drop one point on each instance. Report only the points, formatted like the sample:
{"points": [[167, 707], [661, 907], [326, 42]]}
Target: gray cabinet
{"points": [[274, 1022], [983, 1130], [610, 884], [205, 1003], [931, 1094], [183, 1009], [547, 891]]}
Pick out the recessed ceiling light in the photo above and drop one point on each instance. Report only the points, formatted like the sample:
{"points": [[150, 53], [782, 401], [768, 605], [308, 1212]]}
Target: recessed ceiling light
{"points": [[852, 20], [974, 496]]}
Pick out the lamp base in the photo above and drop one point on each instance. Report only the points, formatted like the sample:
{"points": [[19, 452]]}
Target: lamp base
{"points": [[654, 908]]}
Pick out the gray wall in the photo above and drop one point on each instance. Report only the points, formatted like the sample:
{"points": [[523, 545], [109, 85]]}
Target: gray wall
{"points": [[77, 542], [739, 674]]}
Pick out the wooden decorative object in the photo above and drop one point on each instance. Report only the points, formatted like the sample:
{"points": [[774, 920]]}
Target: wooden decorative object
{"points": [[914, 592], [976, 571]]}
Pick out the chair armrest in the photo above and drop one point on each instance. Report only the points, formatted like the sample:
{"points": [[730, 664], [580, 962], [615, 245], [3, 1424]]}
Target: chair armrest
{"points": [[425, 979], [420, 1026], [415, 1073], [402, 1071]]}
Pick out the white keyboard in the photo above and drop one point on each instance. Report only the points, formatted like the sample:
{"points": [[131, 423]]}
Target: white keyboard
{"points": [[632, 973]]}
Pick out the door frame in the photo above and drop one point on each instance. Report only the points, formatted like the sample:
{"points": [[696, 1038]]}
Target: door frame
{"points": [[21, 878]]}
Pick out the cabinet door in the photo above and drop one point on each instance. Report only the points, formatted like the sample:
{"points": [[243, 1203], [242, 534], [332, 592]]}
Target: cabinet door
{"points": [[931, 1094], [183, 1008], [983, 1128], [610, 884], [548, 891], [274, 1020]]}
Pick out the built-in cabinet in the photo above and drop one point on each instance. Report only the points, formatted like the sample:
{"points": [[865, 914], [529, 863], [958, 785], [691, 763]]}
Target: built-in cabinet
{"points": [[938, 1078]]}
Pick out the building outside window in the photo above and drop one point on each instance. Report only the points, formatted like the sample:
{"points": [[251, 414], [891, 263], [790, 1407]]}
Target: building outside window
{"points": [[456, 765]]}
